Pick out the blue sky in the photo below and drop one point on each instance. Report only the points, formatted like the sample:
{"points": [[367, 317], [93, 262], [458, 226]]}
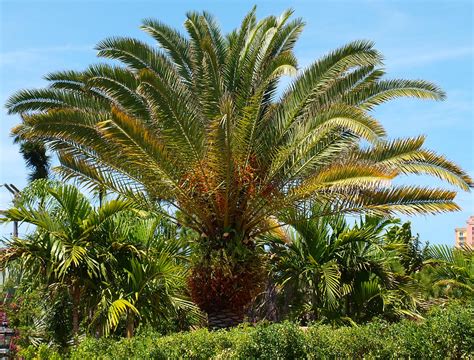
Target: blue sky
{"points": [[431, 40]]}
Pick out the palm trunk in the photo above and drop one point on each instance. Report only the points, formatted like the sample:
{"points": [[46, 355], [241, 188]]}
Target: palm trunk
{"points": [[225, 289], [130, 326], [223, 319], [315, 301], [76, 299]]}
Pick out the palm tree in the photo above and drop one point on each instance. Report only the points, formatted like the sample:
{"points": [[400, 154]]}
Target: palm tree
{"points": [[146, 284], [118, 268], [373, 268], [452, 269], [325, 269], [62, 251], [413, 250], [305, 264], [36, 158], [198, 124]]}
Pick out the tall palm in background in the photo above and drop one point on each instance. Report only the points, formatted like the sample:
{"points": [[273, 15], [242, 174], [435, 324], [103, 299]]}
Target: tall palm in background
{"points": [[35, 155], [199, 124]]}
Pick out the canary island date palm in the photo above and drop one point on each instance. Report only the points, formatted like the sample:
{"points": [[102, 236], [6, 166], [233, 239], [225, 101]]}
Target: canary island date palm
{"points": [[198, 122]]}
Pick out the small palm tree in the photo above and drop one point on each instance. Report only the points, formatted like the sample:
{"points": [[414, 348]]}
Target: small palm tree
{"points": [[452, 269], [119, 266], [305, 263], [62, 251], [325, 269], [146, 284], [198, 124], [372, 267]]}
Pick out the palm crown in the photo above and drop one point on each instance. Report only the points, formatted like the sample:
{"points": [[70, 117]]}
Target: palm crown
{"points": [[199, 124]]}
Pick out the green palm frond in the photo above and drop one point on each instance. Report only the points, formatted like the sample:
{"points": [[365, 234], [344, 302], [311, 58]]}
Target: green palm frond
{"points": [[197, 122], [452, 268], [46, 99], [331, 280], [115, 312], [385, 90]]}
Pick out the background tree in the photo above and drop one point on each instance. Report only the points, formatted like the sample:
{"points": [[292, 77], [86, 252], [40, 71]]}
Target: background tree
{"points": [[414, 252], [34, 152], [197, 124]]}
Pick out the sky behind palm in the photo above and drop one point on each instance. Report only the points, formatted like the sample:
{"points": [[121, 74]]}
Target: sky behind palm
{"points": [[431, 40]]}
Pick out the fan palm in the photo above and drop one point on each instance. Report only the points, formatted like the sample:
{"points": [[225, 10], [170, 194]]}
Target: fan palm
{"points": [[199, 124]]}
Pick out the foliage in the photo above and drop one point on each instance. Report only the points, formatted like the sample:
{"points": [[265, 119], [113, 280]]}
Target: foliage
{"points": [[110, 267], [195, 130], [325, 269], [36, 158], [452, 270], [27, 313], [198, 126], [445, 333], [414, 252]]}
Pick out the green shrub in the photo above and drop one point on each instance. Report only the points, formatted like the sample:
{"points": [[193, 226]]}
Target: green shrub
{"points": [[276, 341], [446, 333], [324, 341], [200, 344], [42, 352]]}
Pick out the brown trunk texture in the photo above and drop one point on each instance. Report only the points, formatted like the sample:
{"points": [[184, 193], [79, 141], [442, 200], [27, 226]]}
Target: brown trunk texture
{"points": [[224, 319], [130, 326], [76, 298]]}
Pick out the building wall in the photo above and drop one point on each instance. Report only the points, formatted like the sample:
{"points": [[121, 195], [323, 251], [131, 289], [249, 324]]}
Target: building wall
{"points": [[470, 232], [460, 237], [465, 236]]}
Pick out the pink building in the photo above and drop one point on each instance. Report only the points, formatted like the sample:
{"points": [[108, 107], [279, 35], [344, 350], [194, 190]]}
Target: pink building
{"points": [[465, 236]]}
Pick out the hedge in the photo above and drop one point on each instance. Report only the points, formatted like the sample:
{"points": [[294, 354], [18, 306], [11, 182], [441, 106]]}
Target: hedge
{"points": [[445, 333]]}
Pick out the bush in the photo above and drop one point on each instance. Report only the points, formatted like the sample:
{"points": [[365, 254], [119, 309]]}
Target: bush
{"points": [[276, 341], [446, 333], [42, 352]]}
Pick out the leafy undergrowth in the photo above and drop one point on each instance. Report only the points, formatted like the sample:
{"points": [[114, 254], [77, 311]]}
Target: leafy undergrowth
{"points": [[445, 333]]}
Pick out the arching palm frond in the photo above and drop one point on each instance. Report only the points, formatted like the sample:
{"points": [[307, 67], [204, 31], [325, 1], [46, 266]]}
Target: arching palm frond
{"points": [[197, 123], [453, 268]]}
